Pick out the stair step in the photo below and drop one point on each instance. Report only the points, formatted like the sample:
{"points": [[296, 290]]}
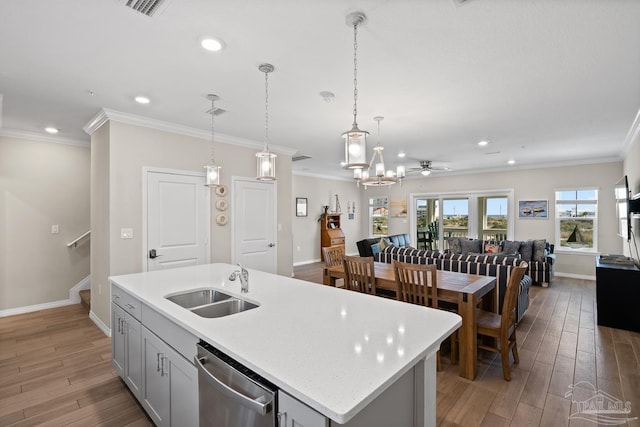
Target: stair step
{"points": [[85, 298]]}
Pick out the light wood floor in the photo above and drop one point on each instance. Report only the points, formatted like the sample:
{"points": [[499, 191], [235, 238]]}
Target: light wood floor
{"points": [[55, 368]]}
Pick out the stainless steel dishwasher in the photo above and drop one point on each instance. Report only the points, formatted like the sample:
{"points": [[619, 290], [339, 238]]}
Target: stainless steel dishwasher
{"points": [[230, 394]]}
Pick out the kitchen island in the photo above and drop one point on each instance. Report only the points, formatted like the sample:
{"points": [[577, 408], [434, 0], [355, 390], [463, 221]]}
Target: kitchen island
{"points": [[336, 351]]}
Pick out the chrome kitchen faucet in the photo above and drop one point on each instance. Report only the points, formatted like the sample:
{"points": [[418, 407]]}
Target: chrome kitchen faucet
{"points": [[244, 278]]}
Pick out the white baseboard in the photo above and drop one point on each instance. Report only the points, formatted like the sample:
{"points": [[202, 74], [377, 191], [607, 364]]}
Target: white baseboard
{"points": [[74, 298], [74, 293], [575, 276], [100, 324]]}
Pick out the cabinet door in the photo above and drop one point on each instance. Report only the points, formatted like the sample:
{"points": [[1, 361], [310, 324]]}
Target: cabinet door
{"points": [[133, 355], [117, 339], [156, 393], [293, 413], [183, 377]]}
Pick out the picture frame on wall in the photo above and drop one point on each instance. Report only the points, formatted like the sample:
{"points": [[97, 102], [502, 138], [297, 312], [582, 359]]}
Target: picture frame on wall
{"points": [[301, 206], [533, 209]]}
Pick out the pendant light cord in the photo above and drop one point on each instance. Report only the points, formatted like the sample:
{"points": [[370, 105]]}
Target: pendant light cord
{"points": [[355, 74], [266, 111], [213, 115]]}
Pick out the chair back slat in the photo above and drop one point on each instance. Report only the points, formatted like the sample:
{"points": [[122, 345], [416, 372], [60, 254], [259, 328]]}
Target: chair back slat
{"points": [[333, 255], [416, 283], [508, 317], [359, 274]]}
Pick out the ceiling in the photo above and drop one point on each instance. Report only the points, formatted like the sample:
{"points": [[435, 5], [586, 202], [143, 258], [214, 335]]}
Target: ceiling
{"points": [[544, 81]]}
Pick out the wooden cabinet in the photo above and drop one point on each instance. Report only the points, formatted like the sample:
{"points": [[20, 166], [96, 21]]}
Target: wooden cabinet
{"points": [[617, 295], [170, 394], [330, 232]]}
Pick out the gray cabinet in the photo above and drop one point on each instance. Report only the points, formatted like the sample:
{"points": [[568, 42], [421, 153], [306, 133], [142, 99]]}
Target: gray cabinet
{"points": [[170, 392], [125, 349], [293, 413]]}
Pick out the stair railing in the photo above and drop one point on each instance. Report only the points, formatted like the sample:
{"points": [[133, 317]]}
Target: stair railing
{"points": [[75, 242]]}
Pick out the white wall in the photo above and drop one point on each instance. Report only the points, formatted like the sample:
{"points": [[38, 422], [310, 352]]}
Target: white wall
{"points": [[632, 170], [306, 230], [41, 184]]}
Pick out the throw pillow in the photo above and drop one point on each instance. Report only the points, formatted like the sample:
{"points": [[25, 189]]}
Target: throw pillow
{"points": [[511, 247], [491, 247], [526, 250], [454, 245], [471, 246], [382, 244], [538, 250], [375, 249]]}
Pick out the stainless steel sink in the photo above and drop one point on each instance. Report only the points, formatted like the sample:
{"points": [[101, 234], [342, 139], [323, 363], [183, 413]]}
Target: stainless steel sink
{"points": [[211, 303], [224, 308], [197, 298]]}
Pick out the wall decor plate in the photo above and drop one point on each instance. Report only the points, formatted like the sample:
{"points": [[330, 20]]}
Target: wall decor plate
{"points": [[221, 190], [222, 205], [221, 219]]}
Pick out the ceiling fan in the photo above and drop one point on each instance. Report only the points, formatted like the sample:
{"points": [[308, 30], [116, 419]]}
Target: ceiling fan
{"points": [[426, 168]]}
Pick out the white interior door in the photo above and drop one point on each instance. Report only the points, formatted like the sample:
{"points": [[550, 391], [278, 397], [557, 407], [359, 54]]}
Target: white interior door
{"points": [[254, 224], [177, 219]]}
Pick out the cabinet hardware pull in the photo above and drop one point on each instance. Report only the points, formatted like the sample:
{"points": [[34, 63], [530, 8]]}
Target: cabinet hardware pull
{"points": [[158, 367], [162, 366], [131, 306]]}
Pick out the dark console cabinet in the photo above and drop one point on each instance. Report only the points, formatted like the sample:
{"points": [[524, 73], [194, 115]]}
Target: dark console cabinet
{"points": [[618, 296]]}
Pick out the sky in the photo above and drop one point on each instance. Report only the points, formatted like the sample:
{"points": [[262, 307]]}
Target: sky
{"points": [[461, 207]]}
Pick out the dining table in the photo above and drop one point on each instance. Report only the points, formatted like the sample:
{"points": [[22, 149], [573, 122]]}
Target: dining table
{"points": [[468, 289]]}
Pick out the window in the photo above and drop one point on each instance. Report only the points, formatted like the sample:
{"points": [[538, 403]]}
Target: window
{"points": [[378, 216], [455, 217], [577, 219], [495, 219]]}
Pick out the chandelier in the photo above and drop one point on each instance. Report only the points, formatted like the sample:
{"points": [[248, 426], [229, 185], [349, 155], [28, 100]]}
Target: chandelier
{"points": [[266, 161], [381, 176], [355, 140], [212, 169]]}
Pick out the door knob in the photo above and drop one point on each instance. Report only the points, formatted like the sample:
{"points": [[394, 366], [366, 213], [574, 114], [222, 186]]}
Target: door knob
{"points": [[271, 245], [153, 254]]}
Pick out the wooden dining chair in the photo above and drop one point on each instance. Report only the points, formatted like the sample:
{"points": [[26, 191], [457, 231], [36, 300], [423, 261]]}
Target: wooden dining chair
{"points": [[502, 327], [333, 256], [359, 274], [418, 284]]}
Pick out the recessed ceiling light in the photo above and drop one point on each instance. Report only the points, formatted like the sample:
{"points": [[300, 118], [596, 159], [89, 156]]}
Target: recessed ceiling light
{"points": [[142, 100], [212, 44], [342, 164], [401, 154], [483, 143], [51, 130], [511, 162]]}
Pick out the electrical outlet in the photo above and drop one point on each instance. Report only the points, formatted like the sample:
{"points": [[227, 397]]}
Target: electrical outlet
{"points": [[126, 233], [55, 229]]}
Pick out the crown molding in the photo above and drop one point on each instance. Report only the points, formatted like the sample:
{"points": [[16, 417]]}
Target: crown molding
{"points": [[106, 115], [38, 137], [322, 176]]}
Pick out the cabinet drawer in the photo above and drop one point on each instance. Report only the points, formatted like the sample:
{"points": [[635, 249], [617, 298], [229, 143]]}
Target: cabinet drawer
{"points": [[128, 303], [337, 241]]}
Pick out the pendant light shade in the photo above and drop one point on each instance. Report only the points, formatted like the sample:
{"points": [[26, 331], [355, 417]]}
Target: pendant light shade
{"points": [[355, 140], [379, 176], [266, 161], [212, 169]]}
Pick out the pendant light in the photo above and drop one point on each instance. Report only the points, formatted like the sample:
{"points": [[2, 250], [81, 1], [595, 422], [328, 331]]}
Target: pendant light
{"points": [[266, 161], [381, 176], [212, 169], [355, 140]]}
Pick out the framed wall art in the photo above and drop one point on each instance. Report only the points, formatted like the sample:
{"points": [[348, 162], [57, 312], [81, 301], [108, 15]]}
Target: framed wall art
{"points": [[301, 206], [533, 209]]}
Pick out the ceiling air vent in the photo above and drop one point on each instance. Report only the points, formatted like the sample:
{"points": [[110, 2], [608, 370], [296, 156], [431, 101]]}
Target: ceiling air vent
{"points": [[300, 157], [146, 7]]}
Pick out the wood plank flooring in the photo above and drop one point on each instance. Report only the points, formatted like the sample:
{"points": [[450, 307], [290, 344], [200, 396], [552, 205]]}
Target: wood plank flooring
{"points": [[560, 345], [55, 368]]}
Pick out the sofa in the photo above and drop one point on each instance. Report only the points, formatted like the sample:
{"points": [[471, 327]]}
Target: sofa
{"points": [[366, 247], [537, 253]]}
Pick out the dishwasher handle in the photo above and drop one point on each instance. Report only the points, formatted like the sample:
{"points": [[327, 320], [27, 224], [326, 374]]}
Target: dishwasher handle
{"points": [[259, 407]]}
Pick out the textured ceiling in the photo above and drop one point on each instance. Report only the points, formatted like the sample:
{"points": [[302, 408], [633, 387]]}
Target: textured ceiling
{"points": [[544, 81]]}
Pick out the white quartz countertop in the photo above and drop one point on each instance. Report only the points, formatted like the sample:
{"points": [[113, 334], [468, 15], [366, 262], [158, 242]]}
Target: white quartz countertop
{"points": [[334, 350]]}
